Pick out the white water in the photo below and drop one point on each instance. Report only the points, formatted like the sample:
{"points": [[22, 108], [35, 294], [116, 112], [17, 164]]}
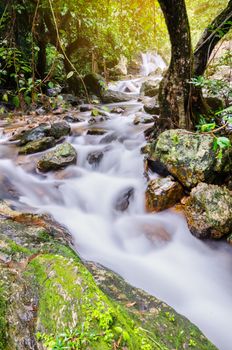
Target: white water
{"points": [[154, 252], [150, 63]]}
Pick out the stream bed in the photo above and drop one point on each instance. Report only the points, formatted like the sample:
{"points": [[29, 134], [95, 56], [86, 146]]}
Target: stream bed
{"points": [[101, 202]]}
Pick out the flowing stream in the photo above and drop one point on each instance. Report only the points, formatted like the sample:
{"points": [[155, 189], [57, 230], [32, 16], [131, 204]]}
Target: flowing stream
{"points": [[155, 252]]}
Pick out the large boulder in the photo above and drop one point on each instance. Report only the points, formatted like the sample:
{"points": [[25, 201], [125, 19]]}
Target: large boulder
{"points": [[163, 193], [38, 145], [62, 156], [150, 87], [190, 157], [95, 83], [34, 134], [59, 129], [50, 299], [152, 107], [111, 96], [209, 211]]}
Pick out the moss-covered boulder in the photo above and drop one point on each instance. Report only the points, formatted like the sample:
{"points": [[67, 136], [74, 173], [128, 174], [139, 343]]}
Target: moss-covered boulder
{"points": [[37, 146], [163, 193], [49, 299], [150, 87], [190, 157], [59, 129], [209, 211], [62, 156], [33, 134]]}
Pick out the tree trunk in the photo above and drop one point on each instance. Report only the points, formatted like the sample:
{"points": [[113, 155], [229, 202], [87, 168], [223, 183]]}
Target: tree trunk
{"points": [[210, 37], [175, 89]]}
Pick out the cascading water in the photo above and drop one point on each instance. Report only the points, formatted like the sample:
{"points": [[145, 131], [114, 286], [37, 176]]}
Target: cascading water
{"points": [[153, 251]]}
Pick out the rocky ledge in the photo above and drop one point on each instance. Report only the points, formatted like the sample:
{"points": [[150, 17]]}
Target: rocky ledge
{"points": [[51, 299]]}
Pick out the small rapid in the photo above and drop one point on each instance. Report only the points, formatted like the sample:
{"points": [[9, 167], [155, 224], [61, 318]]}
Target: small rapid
{"points": [[155, 252]]}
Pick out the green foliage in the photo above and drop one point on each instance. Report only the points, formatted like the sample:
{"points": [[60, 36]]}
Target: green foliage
{"points": [[220, 144], [214, 87]]}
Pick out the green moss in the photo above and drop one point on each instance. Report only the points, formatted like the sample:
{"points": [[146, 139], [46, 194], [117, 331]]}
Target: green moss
{"points": [[3, 323], [70, 299]]}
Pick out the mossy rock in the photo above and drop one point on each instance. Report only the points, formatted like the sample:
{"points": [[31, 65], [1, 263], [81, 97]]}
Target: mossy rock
{"points": [[209, 211], [37, 146], [49, 297], [62, 156], [190, 157]]}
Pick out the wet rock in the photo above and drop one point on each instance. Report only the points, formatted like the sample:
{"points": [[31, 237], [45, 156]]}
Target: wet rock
{"points": [[62, 156], [163, 193], [86, 108], [95, 83], [152, 107], [98, 119], [96, 131], [59, 129], [141, 119], [110, 96], [46, 289], [71, 99], [109, 138], [38, 145], [123, 201], [209, 211], [190, 157], [94, 158], [150, 88], [73, 119], [156, 166], [34, 134], [117, 110]]}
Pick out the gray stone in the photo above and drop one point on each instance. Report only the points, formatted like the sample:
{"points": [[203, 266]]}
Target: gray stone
{"points": [[190, 157], [62, 156], [209, 211], [37, 145]]}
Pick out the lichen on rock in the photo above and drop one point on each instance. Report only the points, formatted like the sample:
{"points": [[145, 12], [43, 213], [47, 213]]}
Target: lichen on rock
{"points": [[209, 211]]}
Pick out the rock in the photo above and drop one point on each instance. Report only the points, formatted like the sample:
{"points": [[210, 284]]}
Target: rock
{"points": [[53, 92], [209, 211], [111, 96], [215, 103], [48, 292], [40, 111], [96, 131], [121, 68], [38, 145], [62, 156], [95, 83], [109, 138], [152, 107], [123, 201], [73, 119], [97, 119], [59, 129], [190, 157], [143, 119], [95, 157], [117, 110], [71, 99], [86, 108], [34, 134], [150, 88], [163, 193]]}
